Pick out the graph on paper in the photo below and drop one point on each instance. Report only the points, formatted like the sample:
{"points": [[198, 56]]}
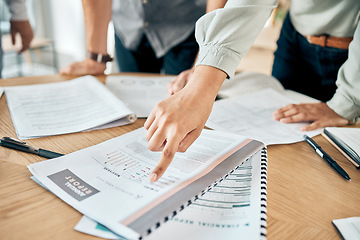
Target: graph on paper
{"points": [[134, 168], [129, 167]]}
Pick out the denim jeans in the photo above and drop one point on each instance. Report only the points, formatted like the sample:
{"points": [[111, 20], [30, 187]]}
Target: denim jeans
{"points": [[143, 59], [304, 67]]}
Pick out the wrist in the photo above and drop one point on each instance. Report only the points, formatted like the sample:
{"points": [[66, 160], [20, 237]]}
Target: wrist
{"points": [[206, 81], [100, 57], [94, 67]]}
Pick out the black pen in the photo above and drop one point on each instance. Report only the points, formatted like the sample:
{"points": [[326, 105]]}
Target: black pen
{"points": [[325, 156], [22, 146]]}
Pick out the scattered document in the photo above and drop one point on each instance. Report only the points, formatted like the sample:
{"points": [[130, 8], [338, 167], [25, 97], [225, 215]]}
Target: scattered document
{"points": [[109, 182], [250, 115], [88, 226], [234, 209], [1, 91], [250, 82], [349, 228], [346, 140], [81, 104], [140, 94]]}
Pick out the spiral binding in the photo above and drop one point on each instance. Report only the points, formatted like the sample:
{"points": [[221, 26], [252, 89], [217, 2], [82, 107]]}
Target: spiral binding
{"points": [[263, 193]]}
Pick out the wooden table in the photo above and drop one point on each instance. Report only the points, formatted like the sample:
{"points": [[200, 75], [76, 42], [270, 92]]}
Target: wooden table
{"points": [[304, 193]]}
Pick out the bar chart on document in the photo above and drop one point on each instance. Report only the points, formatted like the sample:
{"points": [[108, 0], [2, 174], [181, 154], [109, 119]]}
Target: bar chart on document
{"points": [[130, 167]]}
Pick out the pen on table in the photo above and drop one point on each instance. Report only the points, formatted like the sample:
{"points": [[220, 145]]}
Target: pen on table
{"points": [[22, 146], [326, 156]]}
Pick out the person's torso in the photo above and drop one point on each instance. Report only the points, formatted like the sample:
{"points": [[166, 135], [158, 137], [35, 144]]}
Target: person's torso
{"points": [[165, 23], [333, 17]]}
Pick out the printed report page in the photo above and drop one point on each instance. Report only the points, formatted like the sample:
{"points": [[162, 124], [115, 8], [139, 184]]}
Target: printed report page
{"points": [[109, 182], [231, 210], [62, 107]]}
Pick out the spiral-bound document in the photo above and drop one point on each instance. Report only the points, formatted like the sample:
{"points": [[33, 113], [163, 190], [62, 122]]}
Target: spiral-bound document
{"points": [[109, 182], [234, 209]]}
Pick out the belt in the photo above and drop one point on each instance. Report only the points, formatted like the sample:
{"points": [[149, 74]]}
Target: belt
{"points": [[329, 41]]}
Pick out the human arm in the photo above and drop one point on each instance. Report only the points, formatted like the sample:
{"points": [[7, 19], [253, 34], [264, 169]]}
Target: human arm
{"points": [[343, 108], [224, 36], [175, 123], [182, 79], [19, 23], [97, 15]]}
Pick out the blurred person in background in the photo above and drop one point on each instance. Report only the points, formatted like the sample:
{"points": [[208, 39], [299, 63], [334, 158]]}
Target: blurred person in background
{"points": [[150, 36], [19, 23]]}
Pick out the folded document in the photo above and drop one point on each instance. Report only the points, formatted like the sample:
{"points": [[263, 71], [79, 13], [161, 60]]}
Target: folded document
{"points": [[81, 104]]}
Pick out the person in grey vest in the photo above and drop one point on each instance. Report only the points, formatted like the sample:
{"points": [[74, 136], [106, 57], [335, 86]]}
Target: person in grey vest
{"points": [[150, 36]]}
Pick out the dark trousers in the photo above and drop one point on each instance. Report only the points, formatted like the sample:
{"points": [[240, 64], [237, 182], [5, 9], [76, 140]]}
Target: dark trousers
{"points": [[1, 56], [304, 67], [143, 59]]}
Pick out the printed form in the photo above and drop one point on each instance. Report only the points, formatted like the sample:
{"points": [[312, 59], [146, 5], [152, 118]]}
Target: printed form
{"points": [[231, 210], [116, 173], [81, 104], [251, 115]]}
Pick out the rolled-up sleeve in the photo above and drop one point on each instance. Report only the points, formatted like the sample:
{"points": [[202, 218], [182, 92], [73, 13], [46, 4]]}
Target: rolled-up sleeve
{"points": [[225, 35], [17, 9], [346, 100]]}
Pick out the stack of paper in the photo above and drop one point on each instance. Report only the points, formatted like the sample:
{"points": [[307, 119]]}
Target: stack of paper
{"points": [[81, 104], [109, 182], [346, 140], [230, 210]]}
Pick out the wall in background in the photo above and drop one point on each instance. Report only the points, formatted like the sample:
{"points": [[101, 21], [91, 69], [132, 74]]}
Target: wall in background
{"points": [[63, 21], [60, 21]]}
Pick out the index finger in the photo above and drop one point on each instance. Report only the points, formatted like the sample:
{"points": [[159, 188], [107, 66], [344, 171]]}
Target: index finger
{"points": [[167, 156]]}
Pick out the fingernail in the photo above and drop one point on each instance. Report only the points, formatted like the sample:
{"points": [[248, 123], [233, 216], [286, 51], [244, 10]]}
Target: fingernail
{"points": [[152, 177]]}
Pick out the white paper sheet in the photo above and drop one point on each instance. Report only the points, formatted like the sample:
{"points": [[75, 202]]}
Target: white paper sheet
{"points": [[351, 136], [64, 107], [349, 228], [250, 115], [1, 91], [140, 94], [230, 211], [116, 173], [250, 82]]}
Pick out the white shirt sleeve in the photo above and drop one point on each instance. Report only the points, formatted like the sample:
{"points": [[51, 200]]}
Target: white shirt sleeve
{"points": [[225, 35], [17, 9], [346, 100]]}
